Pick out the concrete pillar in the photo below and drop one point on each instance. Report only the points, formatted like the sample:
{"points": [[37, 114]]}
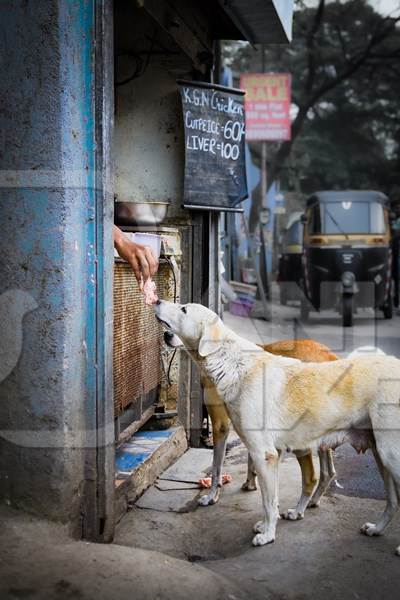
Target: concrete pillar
{"points": [[56, 261]]}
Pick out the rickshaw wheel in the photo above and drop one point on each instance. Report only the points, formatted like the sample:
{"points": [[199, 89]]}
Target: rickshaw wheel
{"points": [[283, 295], [304, 309], [347, 312]]}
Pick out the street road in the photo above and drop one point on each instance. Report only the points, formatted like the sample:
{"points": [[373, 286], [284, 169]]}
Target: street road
{"points": [[357, 474]]}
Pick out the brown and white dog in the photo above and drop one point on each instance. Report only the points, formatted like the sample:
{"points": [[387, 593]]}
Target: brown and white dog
{"points": [[277, 403], [306, 351]]}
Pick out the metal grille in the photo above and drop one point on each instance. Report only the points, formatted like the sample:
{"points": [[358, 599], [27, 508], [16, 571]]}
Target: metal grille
{"points": [[137, 340]]}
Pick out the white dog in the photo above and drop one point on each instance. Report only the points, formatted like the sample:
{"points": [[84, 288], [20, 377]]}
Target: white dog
{"points": [[278, 403]]}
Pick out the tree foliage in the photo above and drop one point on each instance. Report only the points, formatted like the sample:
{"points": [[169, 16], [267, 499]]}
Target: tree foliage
{"points": [[345, 66]]}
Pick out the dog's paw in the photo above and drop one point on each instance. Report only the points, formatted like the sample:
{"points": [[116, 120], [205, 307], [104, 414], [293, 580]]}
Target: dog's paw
{"points": [[261, 539], [209, 499], [292, 515], [249, 486], [370, 529]]}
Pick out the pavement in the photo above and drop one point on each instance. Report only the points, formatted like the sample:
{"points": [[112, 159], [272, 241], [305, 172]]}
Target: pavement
{"points": [[323, 555], [39, 561], [168, 547]]}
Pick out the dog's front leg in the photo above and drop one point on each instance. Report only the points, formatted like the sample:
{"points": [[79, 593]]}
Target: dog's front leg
{"points": [[216, 476], [267, 466], [250, 485], [220, 427]]}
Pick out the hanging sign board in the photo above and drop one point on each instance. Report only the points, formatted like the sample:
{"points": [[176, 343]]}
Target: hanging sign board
{"points": [[267, 106], [215, 167]]}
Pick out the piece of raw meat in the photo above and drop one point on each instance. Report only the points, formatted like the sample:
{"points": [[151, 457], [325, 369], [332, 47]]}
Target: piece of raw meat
{"points": [[205, 482], [150, 292]]}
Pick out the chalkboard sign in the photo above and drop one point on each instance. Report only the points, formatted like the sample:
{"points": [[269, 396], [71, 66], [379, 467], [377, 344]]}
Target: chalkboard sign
{"points": [[215, 169]]}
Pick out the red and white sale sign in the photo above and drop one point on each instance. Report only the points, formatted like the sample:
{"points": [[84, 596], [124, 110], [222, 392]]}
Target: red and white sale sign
{"points": [[267, 105]]}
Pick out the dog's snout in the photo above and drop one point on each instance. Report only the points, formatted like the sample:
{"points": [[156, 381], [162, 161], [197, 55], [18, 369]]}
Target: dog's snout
{"points": [[168, 336], [158, 302]]}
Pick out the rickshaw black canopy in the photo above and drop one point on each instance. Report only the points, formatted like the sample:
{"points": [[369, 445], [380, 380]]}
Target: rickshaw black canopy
{"points": [[352, 195], [347, 212]]}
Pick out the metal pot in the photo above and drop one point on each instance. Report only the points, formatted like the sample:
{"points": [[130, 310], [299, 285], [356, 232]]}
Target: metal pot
{"points": [[139, 213]]}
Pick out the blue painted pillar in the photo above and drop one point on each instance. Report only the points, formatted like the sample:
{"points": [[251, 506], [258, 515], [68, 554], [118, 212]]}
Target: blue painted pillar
{"points": [[56, 424]]}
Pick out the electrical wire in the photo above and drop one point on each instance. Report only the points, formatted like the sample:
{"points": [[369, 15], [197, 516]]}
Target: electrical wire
{"points": [[168, 373], [138, 70], [171, 266], [140, 65], [169, 368]]}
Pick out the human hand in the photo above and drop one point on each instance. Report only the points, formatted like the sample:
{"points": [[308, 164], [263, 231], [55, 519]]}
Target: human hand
{"points": [[140, 257]]}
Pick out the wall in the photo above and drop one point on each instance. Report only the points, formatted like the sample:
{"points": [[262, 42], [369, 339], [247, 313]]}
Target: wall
{"points": [[148, 140], [148, 137], [52, 303]]}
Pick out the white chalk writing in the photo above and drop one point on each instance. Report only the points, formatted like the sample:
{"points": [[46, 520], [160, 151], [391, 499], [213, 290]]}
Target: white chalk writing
{"points": [[215, 101]]}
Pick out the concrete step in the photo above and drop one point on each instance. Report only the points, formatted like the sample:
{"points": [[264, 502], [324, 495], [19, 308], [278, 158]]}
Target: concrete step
{"points": [[141, 460], [177, 489]]}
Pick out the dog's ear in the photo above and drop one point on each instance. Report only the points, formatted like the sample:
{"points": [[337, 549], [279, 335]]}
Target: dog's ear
{"points": [[211, 338]]}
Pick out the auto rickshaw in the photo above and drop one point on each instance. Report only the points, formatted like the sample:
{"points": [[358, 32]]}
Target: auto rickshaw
{"points": [[289, 266], [347, 258]]}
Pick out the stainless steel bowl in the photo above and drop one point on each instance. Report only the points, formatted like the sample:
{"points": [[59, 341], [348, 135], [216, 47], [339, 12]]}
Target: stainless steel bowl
{"points": [[139, 213]]}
